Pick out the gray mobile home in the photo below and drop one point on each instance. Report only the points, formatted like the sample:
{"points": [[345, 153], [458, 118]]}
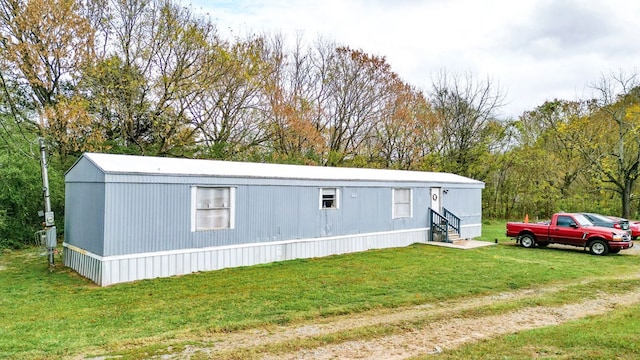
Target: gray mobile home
{"points": [[137, 217]]}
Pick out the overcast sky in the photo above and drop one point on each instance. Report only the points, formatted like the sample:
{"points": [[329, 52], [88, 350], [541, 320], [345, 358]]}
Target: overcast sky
{"points": [[536, 50]]}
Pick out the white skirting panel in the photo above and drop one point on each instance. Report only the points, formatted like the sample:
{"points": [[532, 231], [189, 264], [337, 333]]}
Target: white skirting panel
{"points": [[117, 269], [83, 263], [470, 231]]}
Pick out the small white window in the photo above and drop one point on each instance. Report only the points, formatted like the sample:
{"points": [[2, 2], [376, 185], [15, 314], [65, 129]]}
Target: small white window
{"points": [[329, 198], [212, 208], [402, 200]]}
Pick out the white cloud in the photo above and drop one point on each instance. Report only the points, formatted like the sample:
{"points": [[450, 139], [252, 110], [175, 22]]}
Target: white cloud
{"points": [[536, 50]]}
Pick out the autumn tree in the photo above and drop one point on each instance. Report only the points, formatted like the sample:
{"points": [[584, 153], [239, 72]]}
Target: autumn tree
{"points": [[356, 95], [44, 45], [323, 101], [544, 127], [144, 81], [521, 182], [404, 134], [610, 140], [539, 169]]}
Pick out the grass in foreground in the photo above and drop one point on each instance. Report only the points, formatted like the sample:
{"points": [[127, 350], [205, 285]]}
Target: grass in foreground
{"points": [[55, 314], [558, 296]]}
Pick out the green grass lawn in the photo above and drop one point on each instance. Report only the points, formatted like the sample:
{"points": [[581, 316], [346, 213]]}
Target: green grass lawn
{"points": [[53, 314]]}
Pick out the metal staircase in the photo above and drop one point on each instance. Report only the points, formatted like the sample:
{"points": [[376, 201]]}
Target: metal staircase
{"points": [[444, 228]]}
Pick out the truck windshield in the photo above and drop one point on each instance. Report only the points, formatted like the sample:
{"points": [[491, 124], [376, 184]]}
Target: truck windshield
{"points": [[601, 218], [582, 220]]}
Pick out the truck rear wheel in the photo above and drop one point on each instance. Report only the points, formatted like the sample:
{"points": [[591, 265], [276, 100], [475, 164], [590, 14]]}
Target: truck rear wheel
{"points": [[599, 247], [527, 241]]}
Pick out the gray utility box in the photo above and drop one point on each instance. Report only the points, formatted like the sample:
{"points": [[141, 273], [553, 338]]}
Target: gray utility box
{"points": [[50, 235]]}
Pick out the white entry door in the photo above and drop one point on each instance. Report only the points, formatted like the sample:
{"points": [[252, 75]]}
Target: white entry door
{"points": [[436, 205]]}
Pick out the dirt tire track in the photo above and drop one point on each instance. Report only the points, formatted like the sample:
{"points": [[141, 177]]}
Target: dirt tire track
{"points": [[451, 333], [438, 335]]}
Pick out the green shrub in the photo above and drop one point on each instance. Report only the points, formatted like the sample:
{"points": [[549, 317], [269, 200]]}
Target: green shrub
{"points": [[21, 197]]}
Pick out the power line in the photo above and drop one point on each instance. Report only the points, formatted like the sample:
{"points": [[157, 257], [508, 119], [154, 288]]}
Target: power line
{"points": [[9, 138]]}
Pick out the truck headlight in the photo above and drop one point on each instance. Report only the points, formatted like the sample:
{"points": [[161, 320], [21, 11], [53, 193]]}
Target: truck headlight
{"points": [[617, 237]]}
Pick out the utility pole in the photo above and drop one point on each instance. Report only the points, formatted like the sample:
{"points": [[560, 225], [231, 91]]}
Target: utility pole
{"points": [[49, 219]]}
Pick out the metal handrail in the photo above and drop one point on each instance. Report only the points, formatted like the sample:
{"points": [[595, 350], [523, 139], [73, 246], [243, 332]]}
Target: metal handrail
{"points": [[452, 219], [438, 226]]}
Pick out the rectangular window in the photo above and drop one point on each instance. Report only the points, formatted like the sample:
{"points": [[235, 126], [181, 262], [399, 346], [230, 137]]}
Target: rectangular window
{"points": [[329, 198], [212, 208], [402, 207]]}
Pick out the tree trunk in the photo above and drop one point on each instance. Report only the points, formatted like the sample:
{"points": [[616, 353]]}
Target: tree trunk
{"points": [[626, 198]]}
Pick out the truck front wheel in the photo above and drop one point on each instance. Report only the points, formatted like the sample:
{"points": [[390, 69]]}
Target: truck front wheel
{"points": [[527, 241], [599, 247]]}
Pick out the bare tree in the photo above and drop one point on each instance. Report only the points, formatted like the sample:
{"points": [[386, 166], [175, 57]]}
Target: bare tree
{"points": [[357, 93], [291, 113], [465, 108], [228, 109]]}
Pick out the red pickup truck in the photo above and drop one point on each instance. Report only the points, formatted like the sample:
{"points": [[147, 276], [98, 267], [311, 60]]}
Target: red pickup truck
{"points": [[570, 229]]}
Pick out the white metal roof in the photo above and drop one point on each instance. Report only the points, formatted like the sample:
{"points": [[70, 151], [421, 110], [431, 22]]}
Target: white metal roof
{"points": [[148, 165]]}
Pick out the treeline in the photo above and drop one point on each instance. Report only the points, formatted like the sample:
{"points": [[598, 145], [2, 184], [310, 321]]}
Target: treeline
{"points": [[153, 77]]}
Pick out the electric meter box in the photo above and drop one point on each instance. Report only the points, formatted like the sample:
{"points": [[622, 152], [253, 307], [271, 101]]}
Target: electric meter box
{"points": [[49, 219]]}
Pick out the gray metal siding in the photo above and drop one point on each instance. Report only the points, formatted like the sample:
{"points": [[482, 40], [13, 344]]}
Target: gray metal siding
{"points": [[84, 216], [361, 210], [84, 171], [464, 203], [157, 217], [272, 213], [147, 218]]}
